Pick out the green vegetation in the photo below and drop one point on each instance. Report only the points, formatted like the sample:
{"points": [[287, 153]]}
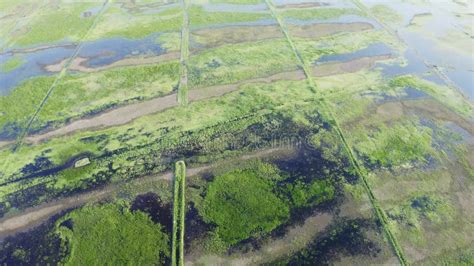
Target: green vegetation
{"points": [[112, 233], [83, 94], [179, 213], [58, 23], [312, 194], [370, 149], [395, 145], [386, 13], [329, 115], [21, 103], [132, 149], [199, 18], [340, 43], [445, 95], [117, 22], [12, 64], [237, 62], [242, 204], [171, 41]]}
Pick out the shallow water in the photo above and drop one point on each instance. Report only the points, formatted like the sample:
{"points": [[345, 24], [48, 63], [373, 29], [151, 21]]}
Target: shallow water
{"points": [[105, 52], [100, 52], [414, 65], [445, 18], [372, 50], [32, 66]]}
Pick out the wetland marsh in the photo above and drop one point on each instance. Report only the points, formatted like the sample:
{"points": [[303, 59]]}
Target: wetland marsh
{"points": [[313, 132]]}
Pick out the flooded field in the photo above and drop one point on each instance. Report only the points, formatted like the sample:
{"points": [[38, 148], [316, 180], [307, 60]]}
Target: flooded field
{"points": [[337, 132]]}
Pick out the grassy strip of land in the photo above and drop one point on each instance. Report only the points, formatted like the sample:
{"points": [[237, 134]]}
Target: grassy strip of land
{"points": [[52, 23], [183, 83], [12, 64], [179, 209], [181, 169], [174, 237], [359, 169]]}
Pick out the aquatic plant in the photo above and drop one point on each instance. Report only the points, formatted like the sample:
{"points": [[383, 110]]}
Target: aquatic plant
{"points": [[242, 204], [112, 233]]}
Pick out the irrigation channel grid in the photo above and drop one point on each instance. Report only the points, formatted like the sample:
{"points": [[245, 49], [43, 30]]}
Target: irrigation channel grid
{"points": [[328, 114]]}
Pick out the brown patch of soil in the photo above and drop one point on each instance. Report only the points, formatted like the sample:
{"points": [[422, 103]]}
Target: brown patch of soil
{"points": [[235, 34], [324, 29]]}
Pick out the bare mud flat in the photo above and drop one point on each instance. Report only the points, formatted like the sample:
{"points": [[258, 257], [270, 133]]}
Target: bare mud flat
{"points": [[351, 66], [238, 34], [214, 37], [78, 64], [324, 29]]}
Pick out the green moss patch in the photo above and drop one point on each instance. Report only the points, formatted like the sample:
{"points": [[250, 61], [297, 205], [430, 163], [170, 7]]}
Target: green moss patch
{"points": [[114, 234], [242, 204]]}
